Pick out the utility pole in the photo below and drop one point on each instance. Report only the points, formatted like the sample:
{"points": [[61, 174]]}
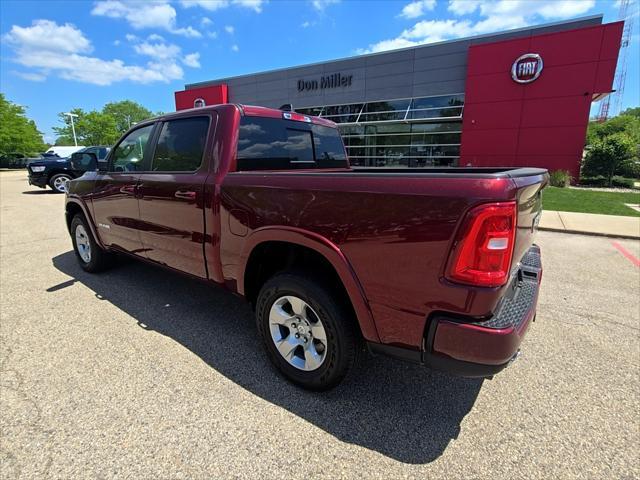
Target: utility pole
{"points": [[73, 128]]}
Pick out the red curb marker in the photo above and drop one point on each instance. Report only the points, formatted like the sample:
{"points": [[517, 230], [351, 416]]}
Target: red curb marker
{"points": [[630, 256]]}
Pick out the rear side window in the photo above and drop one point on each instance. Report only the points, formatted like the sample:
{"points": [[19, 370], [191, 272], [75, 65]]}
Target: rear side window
{"points": [[180, 145], [274, 144]]}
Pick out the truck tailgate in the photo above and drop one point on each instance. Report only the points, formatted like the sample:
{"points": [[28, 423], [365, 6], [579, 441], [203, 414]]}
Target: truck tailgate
{"points": [[529, 199]]}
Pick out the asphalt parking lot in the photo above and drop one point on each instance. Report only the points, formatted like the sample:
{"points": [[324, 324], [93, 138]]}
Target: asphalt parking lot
{"points": [[142, 373]]}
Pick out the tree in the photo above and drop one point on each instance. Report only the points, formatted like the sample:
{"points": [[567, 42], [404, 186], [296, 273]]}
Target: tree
{"points": [[633, 112], [126, 113], [623, 129], [18, 134], [92, 128], [628, 125], [101, 127], [609, 156]]}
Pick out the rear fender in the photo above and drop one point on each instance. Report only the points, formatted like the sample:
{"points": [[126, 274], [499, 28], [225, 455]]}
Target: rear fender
{"points": [[328, 250]]}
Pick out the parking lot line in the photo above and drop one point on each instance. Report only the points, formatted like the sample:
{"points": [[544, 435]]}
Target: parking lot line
{"points": [[630, 256]]}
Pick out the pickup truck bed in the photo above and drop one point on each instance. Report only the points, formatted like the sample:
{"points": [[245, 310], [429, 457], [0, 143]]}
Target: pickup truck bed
{"points": [[437, 266]]}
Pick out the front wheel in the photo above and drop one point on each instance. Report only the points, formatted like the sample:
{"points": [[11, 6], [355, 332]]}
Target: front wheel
{"points": [[309, 336], [91, 257], [59, 182]]}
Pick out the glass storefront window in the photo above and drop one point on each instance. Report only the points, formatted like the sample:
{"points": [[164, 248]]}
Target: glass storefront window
{"points": [[417, 132]]}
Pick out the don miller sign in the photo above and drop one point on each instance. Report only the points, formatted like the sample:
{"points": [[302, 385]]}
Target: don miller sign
{"points": [[328, 81]]}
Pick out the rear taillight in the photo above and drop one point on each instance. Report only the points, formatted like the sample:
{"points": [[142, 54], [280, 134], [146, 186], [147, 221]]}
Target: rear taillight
{"points": [[482, 254], [298, 117]]}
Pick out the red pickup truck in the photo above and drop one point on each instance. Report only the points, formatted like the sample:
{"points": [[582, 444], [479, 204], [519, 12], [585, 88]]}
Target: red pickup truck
{"points": [[436, 266]]}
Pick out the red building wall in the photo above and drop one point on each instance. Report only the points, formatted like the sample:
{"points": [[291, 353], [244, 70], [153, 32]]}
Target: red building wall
{"points": [[542, 123], [212, 95]]}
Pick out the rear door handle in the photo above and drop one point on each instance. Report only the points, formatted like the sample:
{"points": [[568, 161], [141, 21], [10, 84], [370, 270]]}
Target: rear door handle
{"points": [[185, 194]]}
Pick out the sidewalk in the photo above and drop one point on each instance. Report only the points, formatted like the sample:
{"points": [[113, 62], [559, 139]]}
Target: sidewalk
{"points": [[590, 224]]}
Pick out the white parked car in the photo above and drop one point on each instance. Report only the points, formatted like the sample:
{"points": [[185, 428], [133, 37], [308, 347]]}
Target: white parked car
{"points": [[64, 151]]}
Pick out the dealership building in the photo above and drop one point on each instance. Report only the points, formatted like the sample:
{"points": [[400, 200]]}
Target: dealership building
{"points": [[516, 98]]}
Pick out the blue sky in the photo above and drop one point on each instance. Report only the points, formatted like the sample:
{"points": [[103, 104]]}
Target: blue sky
{"points": [[59, 55]]}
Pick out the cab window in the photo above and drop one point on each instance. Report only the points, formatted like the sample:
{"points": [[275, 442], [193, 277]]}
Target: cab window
{"points": [[276, 144], [131, 154], [180, 146]]}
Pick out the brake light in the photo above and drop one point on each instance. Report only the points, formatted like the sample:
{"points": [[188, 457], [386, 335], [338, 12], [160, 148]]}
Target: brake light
{"points": [[298, 117], [482, 255]]}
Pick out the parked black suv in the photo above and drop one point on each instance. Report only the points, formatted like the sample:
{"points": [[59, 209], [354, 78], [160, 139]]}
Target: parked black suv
{"points": [[56, 172]]}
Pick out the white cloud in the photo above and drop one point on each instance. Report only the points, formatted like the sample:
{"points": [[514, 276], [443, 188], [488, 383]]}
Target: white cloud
{"points": [[205, 21], [167, 54], [305, 24], [116, 43], [48, 35], [46, 46], [192, 60], [32, 77], [463, 7], [188, 32], [152, 14], [494, 16], [212, 34], [417, 8], [159, 51], [213, 5], [255, 5], [235, 48], [154, 37], [547, 9], [131, 37], [320, 5], [229, 29]]}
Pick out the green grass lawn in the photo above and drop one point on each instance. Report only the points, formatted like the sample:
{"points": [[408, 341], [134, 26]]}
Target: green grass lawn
{"points": [[589, 201]]}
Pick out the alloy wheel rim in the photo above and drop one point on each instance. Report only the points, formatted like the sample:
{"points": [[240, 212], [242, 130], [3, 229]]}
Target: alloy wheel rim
{"points": [[60, 183], [82, 243], [297, 332]]}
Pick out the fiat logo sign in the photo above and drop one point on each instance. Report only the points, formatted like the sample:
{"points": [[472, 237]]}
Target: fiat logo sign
{"points": [[526, 68]]}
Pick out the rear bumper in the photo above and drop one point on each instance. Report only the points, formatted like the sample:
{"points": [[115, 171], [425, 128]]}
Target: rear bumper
{"points": [[39, 180], [474, 348]]}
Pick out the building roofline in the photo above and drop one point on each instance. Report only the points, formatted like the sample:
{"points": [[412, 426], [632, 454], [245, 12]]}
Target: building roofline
{"points": [[598, 16]]}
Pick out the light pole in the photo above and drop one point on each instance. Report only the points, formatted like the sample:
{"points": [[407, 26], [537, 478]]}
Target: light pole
{"points": [[73, 128]]}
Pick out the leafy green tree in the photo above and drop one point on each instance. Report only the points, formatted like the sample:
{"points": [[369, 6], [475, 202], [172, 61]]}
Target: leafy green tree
{"points": [[126, 113], [18, 134], [92, 128], [64, 135], [633, 112], [101, 127], [608, 136], [628, 125], [609, 156]]}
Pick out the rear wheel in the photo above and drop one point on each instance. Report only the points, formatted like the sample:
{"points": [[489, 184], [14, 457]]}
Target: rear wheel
{"points": [[91, 257], [58, 182], [309, 336]]}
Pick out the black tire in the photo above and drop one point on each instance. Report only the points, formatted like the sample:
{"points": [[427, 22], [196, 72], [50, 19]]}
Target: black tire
{"points": [[99, 259], [54, 182], [342, 338]]}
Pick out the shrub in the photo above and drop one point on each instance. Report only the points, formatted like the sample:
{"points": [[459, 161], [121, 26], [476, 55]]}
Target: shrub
{"points": [[622, 182], [560, 178], [608, 157], [617, 181], [593, 181]]}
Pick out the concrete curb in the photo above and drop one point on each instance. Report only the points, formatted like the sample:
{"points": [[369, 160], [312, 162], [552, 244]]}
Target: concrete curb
{"points": [[591, 234]]}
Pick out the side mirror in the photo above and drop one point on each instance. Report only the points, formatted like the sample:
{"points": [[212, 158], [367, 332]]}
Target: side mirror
{"points": [[84, 162]]}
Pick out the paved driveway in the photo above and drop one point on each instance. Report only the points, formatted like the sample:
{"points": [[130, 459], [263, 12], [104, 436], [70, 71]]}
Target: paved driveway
{"points": [[141, 373]]}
